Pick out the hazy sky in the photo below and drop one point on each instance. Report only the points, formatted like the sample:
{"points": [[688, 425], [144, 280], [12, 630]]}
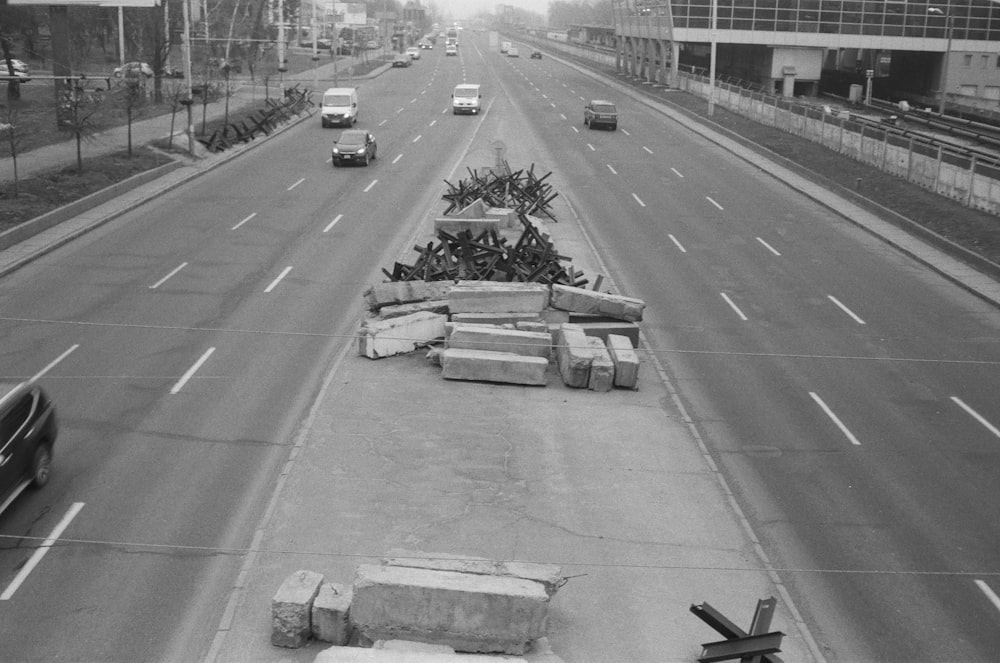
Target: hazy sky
{"points": [[463, 8]]}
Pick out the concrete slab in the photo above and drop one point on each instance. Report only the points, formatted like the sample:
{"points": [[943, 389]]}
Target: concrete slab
{"points": [[500, 318], [485, 366], [439, 306], [494, 339], [493, 297], [330, 614], [455, 225], [550, 575], [580, 300], [626, 361], [291, 609], [602, 369], [573, 356], [405, 292], [401, 651], [385, 338]]}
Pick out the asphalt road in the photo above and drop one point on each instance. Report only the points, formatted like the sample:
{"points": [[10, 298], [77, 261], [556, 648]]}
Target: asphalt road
{"points": [[844, 390]]}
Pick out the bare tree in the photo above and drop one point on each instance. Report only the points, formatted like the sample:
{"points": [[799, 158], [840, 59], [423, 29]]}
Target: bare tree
{"points": [[175, 94], [14, 136], [134, 95], [81, 106]]}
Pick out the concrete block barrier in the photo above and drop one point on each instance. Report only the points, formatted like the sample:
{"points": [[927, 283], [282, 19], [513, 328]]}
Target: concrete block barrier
{"points": [[506, 217], [485, 366], [405, 292], [330, 611], [455, 225], [439, 306], [602, 326], [494, 339], [502, 318], [494, 297], [468, 612], [291, 609], [402, 651], [573, 356], [602, 369], [549, 575], [626, 361], [384, 338], [580, 300]]}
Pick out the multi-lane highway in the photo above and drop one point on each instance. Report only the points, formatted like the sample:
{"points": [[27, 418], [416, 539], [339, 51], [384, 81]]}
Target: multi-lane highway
{"points": [[844, 390]]}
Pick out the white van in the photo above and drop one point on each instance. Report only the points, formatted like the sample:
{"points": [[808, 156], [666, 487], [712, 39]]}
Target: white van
{"points": [[339, 107], [466, 99]]}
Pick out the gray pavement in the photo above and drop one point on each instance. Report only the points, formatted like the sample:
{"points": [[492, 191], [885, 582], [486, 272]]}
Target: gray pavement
{"points": [[367, 445]]}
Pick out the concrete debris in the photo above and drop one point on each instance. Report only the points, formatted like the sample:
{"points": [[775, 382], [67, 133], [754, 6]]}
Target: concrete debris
{"points": [[402, 651], [485, 366], [506, 318], [549, 575], [490, 297], [404, 292], [602, 369], [626, 361], [384, 338], [498, 339], [291, 609], [330, 614], [439, 306], [580, 300], [573, 356]]}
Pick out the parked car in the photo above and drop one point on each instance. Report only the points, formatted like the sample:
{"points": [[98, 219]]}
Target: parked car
{"points": [[402, 61], [134, 69], [354, 146], [413, 52], [600, 113], [536, 55], [450, 49], [21, 71], [28, 431], [171, 72], [512, 52]]}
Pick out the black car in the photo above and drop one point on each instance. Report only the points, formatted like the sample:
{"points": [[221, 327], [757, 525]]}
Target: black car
{"points": [[28, 432], [536, 55], [354, 146]]}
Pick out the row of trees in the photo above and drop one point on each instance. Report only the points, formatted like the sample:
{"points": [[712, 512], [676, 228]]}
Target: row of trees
{"points": [[563, 13]]}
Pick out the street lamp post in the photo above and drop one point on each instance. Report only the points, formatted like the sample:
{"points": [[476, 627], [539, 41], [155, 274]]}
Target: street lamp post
{"points": [[949, 25]]}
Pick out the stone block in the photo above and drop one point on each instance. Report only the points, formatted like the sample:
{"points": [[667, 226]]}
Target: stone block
{"points": [[439, 306], [539, 327], [494, 297], [474, 210], [468, 612], [549, 575], [291, 609], [494, 339], [404, 651], [455, 225], [484, 366], [581, 300], [506, 217], [404, 292], [626, 361], [503, 318], [601, 326], [330, 614], [554, 316], [573, 355], [602, 369], [384, 338]]}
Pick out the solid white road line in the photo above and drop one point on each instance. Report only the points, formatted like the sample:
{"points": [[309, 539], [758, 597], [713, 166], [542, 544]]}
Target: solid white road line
{"points": [[677, 173], [835, 419], [975, 415], [768, 247], [296, 184], [612, 169], [678, 244], [333, 223], [369, 187], [990, 594], [733, 306], [276, 281], [709, 199], [164, 279], [191, 371], [41, 551], [647, 149], [398, 157], [591, 147], [244, 220], [845, 309], [53, 363], [638, 200]]}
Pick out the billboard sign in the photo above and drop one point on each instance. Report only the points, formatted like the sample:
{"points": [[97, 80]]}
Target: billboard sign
{"points": [[88, 3]]}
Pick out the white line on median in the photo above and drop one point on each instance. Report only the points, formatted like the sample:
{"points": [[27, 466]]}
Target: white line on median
{"points": [[612, 169], [677, 243], [164, 279], [37, 556], [276, 281], [191, 371], [638, 200], [333, 223], [369, 187], [244, 221], [846, 310], [296, 184], [835, 419], [769, 247], [709, 199], [990, 594], [733, 306], [398, 157], [52, 363], [975, 415], [677, 173]]}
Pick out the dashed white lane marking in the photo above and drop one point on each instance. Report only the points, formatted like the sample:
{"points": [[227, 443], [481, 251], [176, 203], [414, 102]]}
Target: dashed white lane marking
{"points": [[423, 92], [647, 149], [276, 281], [711, 200], [576, 130], [40, 552], [975, 415], [846, 310], [582, 99], [638, 200], [413, 100], [433, 122], [444, 111], [417, 138], [833, 417], [562, 115], [768, 247], [330, 226], [677, 173], [990, 594], [382, 122], [191, 371], [572, 91], [244, 221], [545, 96], [592, 149], [369, 187], [612, 169], [398, 157], [401, 109], [626, 132], [296, 184], [53, 363], [677, 243], [552, 104], [733, 306], [165, 278]]}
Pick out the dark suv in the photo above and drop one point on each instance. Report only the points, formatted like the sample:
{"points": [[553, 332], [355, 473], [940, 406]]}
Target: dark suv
{"points": [[600, 113], [28, 431]]}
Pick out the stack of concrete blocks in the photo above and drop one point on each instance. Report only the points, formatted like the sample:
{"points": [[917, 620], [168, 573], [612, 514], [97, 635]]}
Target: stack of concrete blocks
{"points": [[330, 614], [402, 316], [480, 348], [467, 604], [291, 609], [586, 362], [472, 217]]}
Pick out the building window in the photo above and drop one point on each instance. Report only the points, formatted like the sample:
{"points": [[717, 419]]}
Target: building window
{"points": [[986, 61], [967, 60]]}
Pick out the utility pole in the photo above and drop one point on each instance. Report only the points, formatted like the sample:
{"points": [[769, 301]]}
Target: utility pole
{"points": [[186, 51], [281, 43]]}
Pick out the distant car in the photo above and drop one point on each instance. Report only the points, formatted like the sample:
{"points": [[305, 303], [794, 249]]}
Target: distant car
{"points": [[450, 49], [134, 69], [426, 45], [372, 45], [413, 52], [28, 431], [354, 146], [21, 71], [512, 52], [536, 55], [402, 61], [323, 44], [600, 113]]}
